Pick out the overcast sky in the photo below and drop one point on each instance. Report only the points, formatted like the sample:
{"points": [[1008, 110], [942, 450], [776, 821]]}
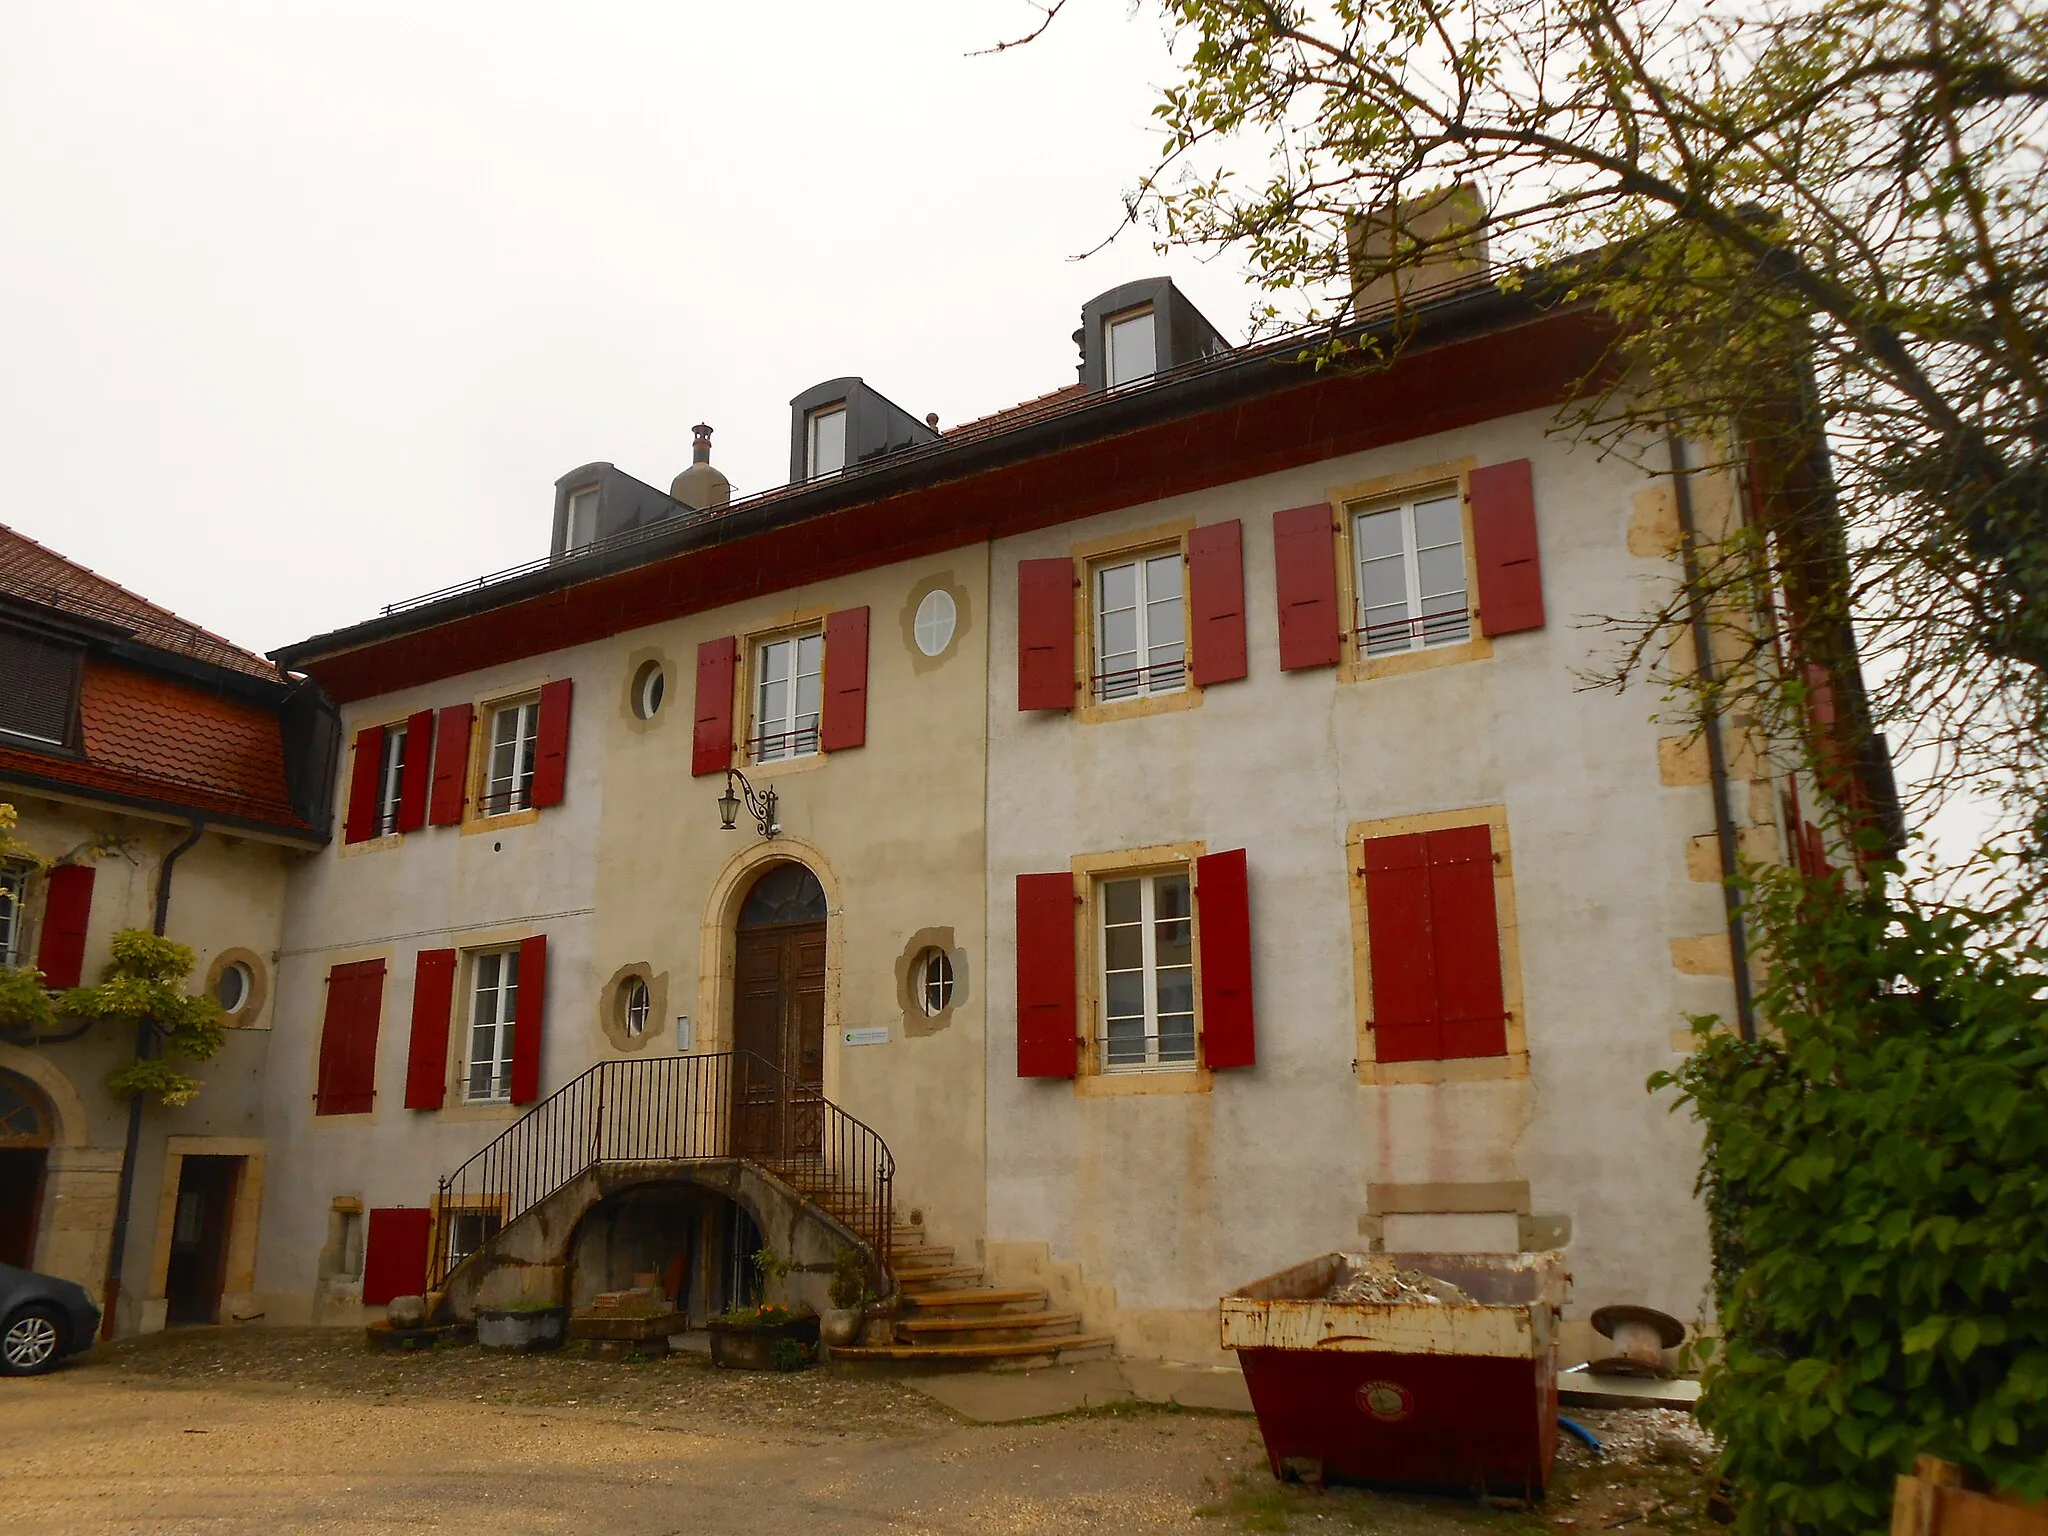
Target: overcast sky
{"points": [[304, 307]]}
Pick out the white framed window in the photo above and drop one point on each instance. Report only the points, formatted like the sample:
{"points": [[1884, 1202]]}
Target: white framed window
{"points": [[1133, 350], [232, 990], [1148, 972], [825, 441], [934, 982], [788, 687], [639, 1007], [390, 779], [469, 1230], [13, 913], [508, 772], [650, 687], [494, 1007], [937, 617], [1410, 574], [1141, 632], [582, 522]]}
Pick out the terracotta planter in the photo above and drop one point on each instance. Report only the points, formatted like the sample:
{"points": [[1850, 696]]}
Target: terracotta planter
{"points": [[523, 1332], [751, 1347]]}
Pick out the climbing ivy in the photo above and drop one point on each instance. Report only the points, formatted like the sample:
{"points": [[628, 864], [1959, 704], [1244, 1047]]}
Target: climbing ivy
{"points": [[144, 984], [1876, 1178]]}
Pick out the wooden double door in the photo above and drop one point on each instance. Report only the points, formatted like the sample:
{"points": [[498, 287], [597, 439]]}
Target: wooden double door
{"points": [[779, 1035]]}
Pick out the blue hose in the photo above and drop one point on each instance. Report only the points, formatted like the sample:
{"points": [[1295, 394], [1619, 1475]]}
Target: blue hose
{"points": [[1583, 1433]]}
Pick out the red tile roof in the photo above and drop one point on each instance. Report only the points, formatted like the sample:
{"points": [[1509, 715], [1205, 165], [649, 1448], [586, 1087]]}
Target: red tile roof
{"points": [[38, 574], [158, 739]]}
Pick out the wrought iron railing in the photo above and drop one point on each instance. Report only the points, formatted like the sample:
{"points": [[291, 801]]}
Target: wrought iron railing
{"points": [[732, 1104]]}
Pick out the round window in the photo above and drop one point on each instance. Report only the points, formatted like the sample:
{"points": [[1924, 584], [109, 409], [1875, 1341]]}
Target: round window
{"points": [[638, 1006], [649, 684], [233, 988], [937, 616], [934, 982]]}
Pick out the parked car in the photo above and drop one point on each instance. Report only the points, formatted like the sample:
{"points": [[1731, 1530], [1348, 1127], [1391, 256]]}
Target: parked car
{"points": [[42, 1319]]}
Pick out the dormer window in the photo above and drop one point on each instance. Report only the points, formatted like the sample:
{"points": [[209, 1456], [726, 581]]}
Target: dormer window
{"points": [[582, 527], [825, 441], [38, 689], [1133, 347]]}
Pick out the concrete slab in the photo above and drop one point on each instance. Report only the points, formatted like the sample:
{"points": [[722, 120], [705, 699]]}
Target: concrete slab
{"points": [[1002, 1397], [1582, 1389], [1220, 1388]]}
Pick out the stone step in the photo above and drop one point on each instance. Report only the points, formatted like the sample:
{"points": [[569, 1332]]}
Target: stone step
{"points": [[1008, 1328], [916, 1255], [974, 1301], [926, 1276], [1073, 1346]]}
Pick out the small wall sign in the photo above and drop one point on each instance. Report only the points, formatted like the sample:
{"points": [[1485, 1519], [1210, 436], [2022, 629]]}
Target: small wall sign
{"points": [[878, 1035]]}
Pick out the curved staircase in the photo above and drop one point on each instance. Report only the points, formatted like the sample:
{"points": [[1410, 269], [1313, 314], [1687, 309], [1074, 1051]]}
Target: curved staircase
{"points": [[950, 1319]]}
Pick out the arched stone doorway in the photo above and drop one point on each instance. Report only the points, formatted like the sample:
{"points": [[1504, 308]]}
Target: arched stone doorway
{"points": [[28, 1129], [779, 1015]]}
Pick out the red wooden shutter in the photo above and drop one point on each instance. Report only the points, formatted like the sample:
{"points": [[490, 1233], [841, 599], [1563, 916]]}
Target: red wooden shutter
{"points": [[1045, 975], [348, 1038], [395, 1253], [433, 1001], [845, 722], [718, 664], [1216, 603], [1045, 634], [451, 765], [1504, 542], [67, 908], [1223, 919], [551, 742], [419, 771], [1471, 1014], [1305, 585], [1397, 915], [363, 778], [526, 1021]]}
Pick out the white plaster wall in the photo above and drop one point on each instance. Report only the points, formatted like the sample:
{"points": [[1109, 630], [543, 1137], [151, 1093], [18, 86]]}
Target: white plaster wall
{"points": [[1173, 1199]]}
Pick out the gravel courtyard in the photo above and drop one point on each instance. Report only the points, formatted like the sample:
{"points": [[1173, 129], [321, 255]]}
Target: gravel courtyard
{"points": [[281, 1431]]}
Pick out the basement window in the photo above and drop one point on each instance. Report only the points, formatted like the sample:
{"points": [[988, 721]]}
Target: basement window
{"points": [[825, 441]]}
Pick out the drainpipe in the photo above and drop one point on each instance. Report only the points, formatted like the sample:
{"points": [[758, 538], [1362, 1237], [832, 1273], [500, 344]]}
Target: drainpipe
{"points": [[145, 1043], [1710, 726]]}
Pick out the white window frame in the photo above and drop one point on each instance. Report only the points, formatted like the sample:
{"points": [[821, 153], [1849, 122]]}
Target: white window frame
{"points": [[778, 735], [390, 780], [1150, 676], [488, 1221], [934, 982], [493, 1014], [509, 789], [1418, 630], [1154, 1057], [1114, 377], [639, 1010], [813, 421], [578, 531], [13, 912]]}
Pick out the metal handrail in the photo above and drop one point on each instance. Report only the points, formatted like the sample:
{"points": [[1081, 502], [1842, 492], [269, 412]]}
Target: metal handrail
{"points": [[671, 1109]]}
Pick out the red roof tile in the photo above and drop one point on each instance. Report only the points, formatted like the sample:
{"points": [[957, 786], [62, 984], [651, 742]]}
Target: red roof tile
{"points": [[38, 574], [158, 739]]}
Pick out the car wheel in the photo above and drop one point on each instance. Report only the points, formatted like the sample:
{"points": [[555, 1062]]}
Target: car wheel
{"points": [[32, 1341]]}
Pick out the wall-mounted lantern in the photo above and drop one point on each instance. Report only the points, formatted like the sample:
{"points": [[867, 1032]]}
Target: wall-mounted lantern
{"points": [[760, 807]]}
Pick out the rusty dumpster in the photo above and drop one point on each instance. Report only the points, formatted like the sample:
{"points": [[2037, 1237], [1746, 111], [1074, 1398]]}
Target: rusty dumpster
{"points": [[1451, 1395]]}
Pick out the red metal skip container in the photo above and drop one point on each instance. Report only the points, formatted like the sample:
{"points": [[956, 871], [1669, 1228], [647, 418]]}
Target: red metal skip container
{"points": [[1410, 1394]]}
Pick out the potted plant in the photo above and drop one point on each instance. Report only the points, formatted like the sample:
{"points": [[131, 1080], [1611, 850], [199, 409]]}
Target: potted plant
{"points": [[767, 1336], [840, 1326]]}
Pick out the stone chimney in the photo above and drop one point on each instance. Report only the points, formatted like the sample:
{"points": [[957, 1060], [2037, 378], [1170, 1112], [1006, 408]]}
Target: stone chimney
{"points": [[1426, 247], [700, 485]]}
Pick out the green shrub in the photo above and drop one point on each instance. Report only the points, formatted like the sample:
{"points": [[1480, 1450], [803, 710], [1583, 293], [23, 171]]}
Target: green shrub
{"points": [[145, 983], [849, 1278], [1876, 1177]]}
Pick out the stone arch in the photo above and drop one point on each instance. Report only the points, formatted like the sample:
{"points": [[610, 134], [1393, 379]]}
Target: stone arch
{"points": [[72, 1128], [721, 918]]}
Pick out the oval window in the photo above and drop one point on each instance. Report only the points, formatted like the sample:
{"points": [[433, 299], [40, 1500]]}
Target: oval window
{"points": [[650, 683], [937, 616], [232, 990], [934, 982], [637, 1007]]}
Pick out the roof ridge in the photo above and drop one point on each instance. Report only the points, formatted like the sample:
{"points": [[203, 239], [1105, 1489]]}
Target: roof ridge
{"points": [[166, 618]]}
